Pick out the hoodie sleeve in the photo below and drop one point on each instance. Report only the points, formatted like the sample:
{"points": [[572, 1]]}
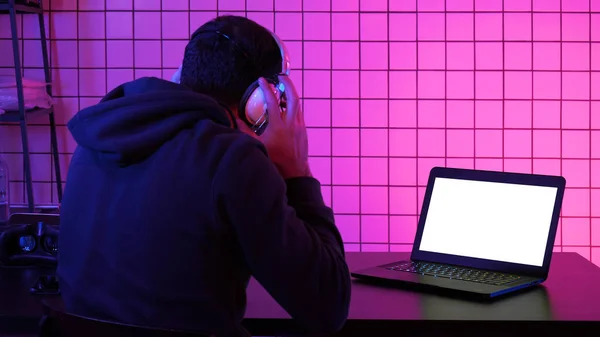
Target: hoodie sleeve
{"points": [[288, 236]]}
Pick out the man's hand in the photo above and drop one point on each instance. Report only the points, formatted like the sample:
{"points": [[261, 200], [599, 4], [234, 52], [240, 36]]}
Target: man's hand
{"points": [[285, 137]]}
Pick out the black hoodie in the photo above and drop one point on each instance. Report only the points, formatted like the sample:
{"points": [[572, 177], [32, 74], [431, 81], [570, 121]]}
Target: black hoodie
{"points": [[168, 210]]}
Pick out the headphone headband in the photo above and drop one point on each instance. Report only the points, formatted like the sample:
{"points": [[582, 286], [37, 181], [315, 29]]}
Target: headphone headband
{"points": [[285, 56]]}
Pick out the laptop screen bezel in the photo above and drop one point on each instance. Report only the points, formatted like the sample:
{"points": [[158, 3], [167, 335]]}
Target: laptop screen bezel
{"points": [[491, 176]]}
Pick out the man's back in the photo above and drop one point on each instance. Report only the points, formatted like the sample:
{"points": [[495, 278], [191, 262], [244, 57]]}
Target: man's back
{"points": [[162, 221]]}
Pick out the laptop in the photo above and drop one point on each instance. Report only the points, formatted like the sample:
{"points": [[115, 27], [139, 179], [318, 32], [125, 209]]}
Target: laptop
{"points": [[480, 233]]}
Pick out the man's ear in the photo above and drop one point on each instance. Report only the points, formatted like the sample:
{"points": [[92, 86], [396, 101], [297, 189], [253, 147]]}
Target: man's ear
{"points": [[177, 76]]}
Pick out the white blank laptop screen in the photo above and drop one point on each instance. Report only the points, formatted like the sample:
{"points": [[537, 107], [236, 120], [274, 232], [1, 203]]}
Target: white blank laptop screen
{"points": [[486, 220]]}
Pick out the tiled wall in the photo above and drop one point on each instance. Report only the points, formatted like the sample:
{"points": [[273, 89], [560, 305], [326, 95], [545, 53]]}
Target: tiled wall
{"points": [[390, 87]]}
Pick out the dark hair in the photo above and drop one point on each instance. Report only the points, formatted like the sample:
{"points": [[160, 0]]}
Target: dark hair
{"points": [[227, 54]]}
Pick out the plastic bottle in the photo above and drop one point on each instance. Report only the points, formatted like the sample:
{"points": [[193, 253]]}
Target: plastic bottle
{"points": [[4, 192]]}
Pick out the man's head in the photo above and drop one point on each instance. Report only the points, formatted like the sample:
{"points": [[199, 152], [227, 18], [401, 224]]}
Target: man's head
{"points": [[227, 54]]}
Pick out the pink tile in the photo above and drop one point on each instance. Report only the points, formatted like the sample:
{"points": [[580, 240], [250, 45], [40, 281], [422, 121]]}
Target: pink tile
{"points": [[319, 142], [403, 171], [345, 84], [349, 227], [460, 114], [576, 56], [345, 142], [517, 114], [284, 5], [65, 82], [64, 109], [374, 200], [374, 247], [595, 232], [424, 168], [488, 27], [576, 85], [145, 25], [517, 85], [373, 27], [432, 143], [575, 27], [403, 229], [595, 256], [93, 82], [119, 4], [595, 200], [399, 5], [91, 25], [575, 115], [317, 26], [595, 170], [176, 5], [234, 5], [375, 228], [345, 113], [344, 5], [488, 143], [402, 84], [374, 142], [432, 55], [517, 26], [317, 112], [92, 5], [575, 6], [403, 26], [116, 77], [203, 5], [295, 50], [64, 25], [344, 26], [316, 5], [403, 200], [460, 143], [288, 26], [147, 5], [546, 27], [460, 85], [488, 5], [595, 5], [374, 171], [547, 5], [577, 172], [31, 27], [372, 5], [517, 143], [63, 5], [431, 84], [546, 56], [465, 163], [431, 26], [576, 231], [403, 55], [346, 199], [119, 25], [147, 54], [32, 57], [374, 113], [431, 6], [595, 115], [266, 19], [317, 55], [403, 142], [546, 143], [460, 55], [197, 19], [488, 85], [546, 114], [595, 85], [583, 251], [488, 55], [345, 55], [546, 85], [460, 27], [345, 171], [488, 164], [595, 18], [517, 56], [516, 5], [575, 144], [403, 113], [488, 114], [317, 84], [576, 202], [92, 54], [321, 169], [432, 114], [459, 5], [352, 247], [374, 55], [518, 165], [175, 25], [172, 54]]}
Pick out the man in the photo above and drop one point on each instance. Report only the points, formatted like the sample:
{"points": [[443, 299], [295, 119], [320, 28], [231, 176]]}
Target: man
{"points": [[169, 208]]}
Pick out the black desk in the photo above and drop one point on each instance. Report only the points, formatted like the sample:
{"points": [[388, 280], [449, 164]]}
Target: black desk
{"points": [[569, 303]]}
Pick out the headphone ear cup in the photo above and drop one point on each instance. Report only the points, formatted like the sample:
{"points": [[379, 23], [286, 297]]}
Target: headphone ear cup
{"points": [[252, 104]]}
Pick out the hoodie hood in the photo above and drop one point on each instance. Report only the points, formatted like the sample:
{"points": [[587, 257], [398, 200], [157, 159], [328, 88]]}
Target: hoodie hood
{"points": [[135, 119]]}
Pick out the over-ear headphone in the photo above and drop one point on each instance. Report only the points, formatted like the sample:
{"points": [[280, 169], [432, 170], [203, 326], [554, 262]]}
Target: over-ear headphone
{"points": [[252, 109]]}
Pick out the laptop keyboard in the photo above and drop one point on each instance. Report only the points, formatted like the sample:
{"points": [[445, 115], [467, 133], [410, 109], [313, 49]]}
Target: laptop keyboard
{"points": [[453, 272]]}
